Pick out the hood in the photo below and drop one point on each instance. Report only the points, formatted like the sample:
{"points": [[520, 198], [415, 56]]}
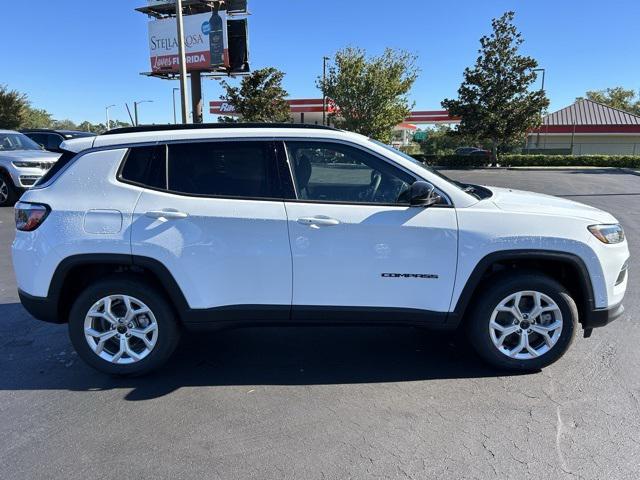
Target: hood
{"points": [[35, 155], [529, 202]]}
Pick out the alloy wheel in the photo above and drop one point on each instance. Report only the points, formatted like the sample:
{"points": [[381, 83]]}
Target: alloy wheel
{"points": [[525, 325], [4, 191], [121, 329]]}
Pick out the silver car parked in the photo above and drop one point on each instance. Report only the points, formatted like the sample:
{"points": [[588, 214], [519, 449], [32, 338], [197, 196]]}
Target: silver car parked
{"points": [[22, 163]]}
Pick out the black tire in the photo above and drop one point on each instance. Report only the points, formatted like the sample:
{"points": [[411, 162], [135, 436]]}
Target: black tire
{"points": [[501, 287], [12, 194], [168, 329]]}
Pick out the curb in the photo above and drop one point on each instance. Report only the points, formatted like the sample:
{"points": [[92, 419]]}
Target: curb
{"points": [[532, 168]]}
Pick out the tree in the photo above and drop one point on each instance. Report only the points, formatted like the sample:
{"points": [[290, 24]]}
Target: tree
{"points": [[617, 97], [494, 100], [36, 118], [371, 94], [64, 124], [260, 97], [12, 108], [443, 140]]}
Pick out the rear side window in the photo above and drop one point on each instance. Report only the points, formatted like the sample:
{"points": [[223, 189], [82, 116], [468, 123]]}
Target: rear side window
{"points": [[146, 166], [228, 169]]}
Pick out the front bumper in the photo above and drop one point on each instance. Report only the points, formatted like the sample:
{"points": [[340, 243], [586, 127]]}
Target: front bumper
{"points": [[599, 317], [24, 178]]}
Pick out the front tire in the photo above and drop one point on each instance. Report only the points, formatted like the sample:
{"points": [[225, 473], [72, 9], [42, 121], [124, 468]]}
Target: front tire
{"points": [[8, 192], [122, 326], [523, 321]]}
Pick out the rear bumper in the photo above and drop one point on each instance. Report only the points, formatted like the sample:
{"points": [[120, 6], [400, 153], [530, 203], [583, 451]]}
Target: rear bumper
{"points": [[600, 317], [41, 308]]}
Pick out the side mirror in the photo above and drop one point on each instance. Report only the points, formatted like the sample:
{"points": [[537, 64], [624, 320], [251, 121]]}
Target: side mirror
{"points": [[423, 194]]}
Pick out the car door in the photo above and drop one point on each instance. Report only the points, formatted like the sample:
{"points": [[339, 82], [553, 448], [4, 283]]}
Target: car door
{"points": [[359, 249], [213, 214]]}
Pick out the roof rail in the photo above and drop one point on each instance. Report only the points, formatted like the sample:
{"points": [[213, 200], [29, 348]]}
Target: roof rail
{"points": [[200, 126]]}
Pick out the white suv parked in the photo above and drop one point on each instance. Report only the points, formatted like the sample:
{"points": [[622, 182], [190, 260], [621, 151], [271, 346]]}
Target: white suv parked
{"points": [[146, 231], [22, 163]]}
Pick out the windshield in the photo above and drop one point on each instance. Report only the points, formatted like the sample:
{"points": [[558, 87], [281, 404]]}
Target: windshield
{"points": [[17, 141], [462, 187]]}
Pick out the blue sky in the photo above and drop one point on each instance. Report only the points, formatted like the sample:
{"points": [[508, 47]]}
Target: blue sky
{"points": [[74, 57]]}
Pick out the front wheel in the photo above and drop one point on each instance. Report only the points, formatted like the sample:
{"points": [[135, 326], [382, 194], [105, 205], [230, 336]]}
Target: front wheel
{"points": [[8, 193], [123, 326], [524, 322]]}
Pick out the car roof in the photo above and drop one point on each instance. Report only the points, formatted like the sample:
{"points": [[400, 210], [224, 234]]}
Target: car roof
{"points": [[79, 133], [164, 133], [207, 126], [9, 131]]}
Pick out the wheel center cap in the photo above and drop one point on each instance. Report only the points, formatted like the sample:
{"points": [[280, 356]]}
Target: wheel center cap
{"points": [[122, 329], [525, 324]]}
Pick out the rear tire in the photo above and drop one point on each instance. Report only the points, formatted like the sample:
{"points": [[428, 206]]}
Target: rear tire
{"points": [[8, 193], [518, 339], [122, 326]]}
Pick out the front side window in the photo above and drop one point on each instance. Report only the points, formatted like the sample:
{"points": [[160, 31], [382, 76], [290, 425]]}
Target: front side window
{"points": [[227, 169], [334, 172]]}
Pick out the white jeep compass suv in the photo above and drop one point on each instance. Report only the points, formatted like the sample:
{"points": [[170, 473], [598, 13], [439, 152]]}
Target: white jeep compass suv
{"points": [[141, 232]]}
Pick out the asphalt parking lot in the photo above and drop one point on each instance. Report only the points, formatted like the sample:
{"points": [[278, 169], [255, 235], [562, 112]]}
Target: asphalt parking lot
{"points": [[334, 403]]}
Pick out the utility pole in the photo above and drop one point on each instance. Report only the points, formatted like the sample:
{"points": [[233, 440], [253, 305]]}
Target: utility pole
{"points": [[107, 111], [324, 97], [135, 109], [183, 62], [196, 97], [175, 119]]}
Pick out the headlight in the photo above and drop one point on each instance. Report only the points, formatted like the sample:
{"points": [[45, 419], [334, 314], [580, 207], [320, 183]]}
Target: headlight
{"points": [[25, 164], [612, 233]]}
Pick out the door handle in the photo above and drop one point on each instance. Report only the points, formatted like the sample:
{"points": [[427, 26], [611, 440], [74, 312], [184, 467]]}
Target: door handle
{"points": [[168, 214], [319, 221]]}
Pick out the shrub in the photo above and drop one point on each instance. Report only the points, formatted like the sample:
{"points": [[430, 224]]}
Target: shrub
{"points": [[628, 161], [472, 161]]}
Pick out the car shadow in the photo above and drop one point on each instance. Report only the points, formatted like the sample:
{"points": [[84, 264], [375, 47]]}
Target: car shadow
{"points": [[244, 357]]}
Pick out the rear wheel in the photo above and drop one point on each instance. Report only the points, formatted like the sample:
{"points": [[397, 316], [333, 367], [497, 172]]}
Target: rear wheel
{"points": [[123, 327], [8, 193], [524, 321]]}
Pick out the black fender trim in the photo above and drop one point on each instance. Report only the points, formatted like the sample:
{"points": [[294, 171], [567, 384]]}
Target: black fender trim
{"points": [[473, 282], [48, 308]]}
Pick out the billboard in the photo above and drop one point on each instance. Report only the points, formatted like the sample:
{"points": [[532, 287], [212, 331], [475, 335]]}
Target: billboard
{"points": [[206, 43]]}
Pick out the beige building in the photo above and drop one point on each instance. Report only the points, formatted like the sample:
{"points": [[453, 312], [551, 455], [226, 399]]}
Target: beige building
{"points": [[587, 128]]}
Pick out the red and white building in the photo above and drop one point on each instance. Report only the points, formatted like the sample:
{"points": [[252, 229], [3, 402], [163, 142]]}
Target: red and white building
{"points": [[588, 128], [309, 111]]}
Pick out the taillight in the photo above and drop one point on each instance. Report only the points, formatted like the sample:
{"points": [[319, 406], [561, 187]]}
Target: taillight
{"points": [[30, 216]]}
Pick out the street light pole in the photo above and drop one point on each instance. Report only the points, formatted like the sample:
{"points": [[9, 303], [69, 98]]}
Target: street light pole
{"points": [[542, 90], [175, 120], [135, 109], [183, 62], [107, 112], [324, 97]]}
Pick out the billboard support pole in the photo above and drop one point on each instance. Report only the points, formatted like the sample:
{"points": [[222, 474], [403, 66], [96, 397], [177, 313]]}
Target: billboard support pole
{"points": [[183, 62], [196, 96]]}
